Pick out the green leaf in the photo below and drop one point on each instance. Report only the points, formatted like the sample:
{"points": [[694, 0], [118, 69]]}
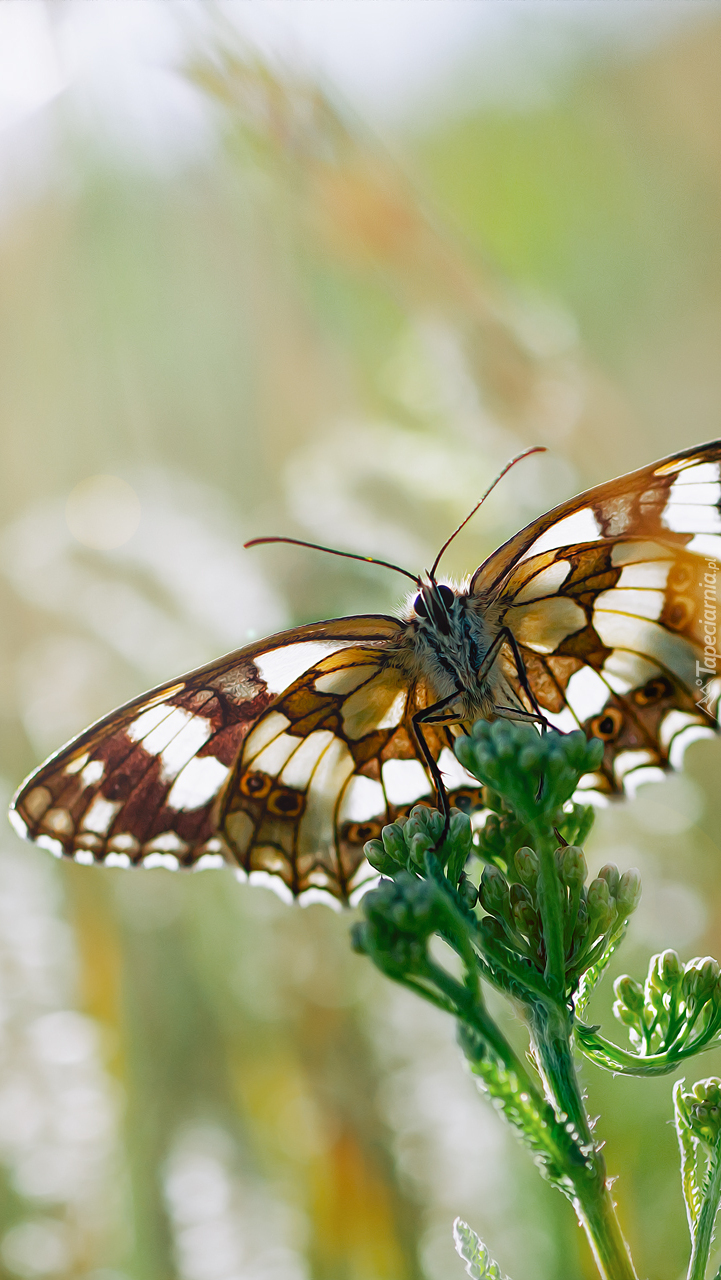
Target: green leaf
{"points": [[469, 1247]]}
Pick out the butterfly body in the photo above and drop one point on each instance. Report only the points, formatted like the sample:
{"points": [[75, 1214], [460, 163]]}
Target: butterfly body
{"points": [[285, 757], [449, 638]]}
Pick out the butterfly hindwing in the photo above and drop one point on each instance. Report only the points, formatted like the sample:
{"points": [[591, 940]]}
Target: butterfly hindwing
{"points": [[325, 768]]}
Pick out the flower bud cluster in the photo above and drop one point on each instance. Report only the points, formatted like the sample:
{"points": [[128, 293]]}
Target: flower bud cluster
{"points": [[701, 1110], [678, 1008], [401, 915], [535, 774], [592, 915], [407, 845]]}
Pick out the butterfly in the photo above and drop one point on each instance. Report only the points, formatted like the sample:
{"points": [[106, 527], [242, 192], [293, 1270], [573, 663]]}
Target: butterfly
{"points": [[285, 757]]}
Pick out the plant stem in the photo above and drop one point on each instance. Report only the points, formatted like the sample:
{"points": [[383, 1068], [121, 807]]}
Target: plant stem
{"points": [[551, 1036], [707, 1217]]}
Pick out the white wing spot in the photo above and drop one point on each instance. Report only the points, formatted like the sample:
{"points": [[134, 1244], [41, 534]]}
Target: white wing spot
{"points": [[59, 821], [92, 773], [76, 765], [280, 667], [636, 603], [620, 631], [84, 857], [405, 781], [645, 575], [346, 679], [632, 552], [17, 824], [210, 862], [625, 671], [123, 843], [581, 526], [705, 544], [166, 860], [100, 814], [186, 743], [264, 732], [53, 846], [543, 625], [686, 517], [137, 729], [363, 798], [36, 802], [545, 583], [586, 693], [272, 758], [301, 764], [197, 783], [117, 860], [377, 705], [700, 473], [269, 881]]}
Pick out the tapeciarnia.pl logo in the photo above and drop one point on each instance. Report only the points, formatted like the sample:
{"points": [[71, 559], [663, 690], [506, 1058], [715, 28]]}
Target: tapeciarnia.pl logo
{"points": [[710, 656]]}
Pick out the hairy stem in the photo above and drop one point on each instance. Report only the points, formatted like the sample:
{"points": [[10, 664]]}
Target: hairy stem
{"points": [[707, 1217], [551, 1038]]}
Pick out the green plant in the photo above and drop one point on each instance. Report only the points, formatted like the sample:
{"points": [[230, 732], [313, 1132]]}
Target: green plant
{"points": [[535, 930]]}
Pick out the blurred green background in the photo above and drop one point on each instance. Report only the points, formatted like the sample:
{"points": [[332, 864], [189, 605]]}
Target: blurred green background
{"points": [[265, 309]]}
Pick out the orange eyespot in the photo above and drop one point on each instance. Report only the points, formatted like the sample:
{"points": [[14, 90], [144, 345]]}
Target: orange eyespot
{"points": [[679, 614], [286, 803], [360, 832], [654, 690], [680, 577], [607, 726], [256, 785], [466, 799]]}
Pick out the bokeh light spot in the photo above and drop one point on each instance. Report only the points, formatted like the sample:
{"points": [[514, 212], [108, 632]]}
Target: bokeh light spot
{"points": [[103, 512]]}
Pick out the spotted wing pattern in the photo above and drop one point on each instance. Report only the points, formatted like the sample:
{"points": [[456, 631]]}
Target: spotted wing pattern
{"points": [[283, 759], [613, 601], [326, 767]]}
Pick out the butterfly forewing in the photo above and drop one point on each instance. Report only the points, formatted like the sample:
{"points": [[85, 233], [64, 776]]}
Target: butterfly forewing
{"points": [[142, 785], [617, 630]]}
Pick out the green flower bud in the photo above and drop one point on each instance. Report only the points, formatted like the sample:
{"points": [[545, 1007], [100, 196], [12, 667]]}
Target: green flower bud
{"points": [[468, 891], [610, 874], [426, 822], [572, 866], [700, 979], [526, 920], [629, 993], [704, 1110], [627, 1016], [376, 854], [599, 904], [394, 843], [493, 892], [527, 867], [491, 931], [628, 893]]}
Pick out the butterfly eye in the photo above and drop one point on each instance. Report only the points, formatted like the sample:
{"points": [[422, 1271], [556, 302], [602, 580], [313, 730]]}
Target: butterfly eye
{"points": [[419, 606], [447, 595]]}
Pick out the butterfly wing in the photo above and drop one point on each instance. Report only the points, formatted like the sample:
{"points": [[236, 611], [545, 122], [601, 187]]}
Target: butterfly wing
{"points": [[282, 758], [612, 600], [323, 770]]}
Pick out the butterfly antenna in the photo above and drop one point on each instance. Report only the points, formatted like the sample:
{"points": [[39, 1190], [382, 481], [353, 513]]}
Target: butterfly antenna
{"points": [[347, 555], [537, 448]]}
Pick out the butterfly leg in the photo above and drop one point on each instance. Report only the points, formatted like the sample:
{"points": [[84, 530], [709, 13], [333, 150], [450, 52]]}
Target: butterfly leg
{"points": [[429, 715], [537, 715]]}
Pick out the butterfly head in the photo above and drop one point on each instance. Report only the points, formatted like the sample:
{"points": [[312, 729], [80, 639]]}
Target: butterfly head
{"points": [[434, 603]]}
